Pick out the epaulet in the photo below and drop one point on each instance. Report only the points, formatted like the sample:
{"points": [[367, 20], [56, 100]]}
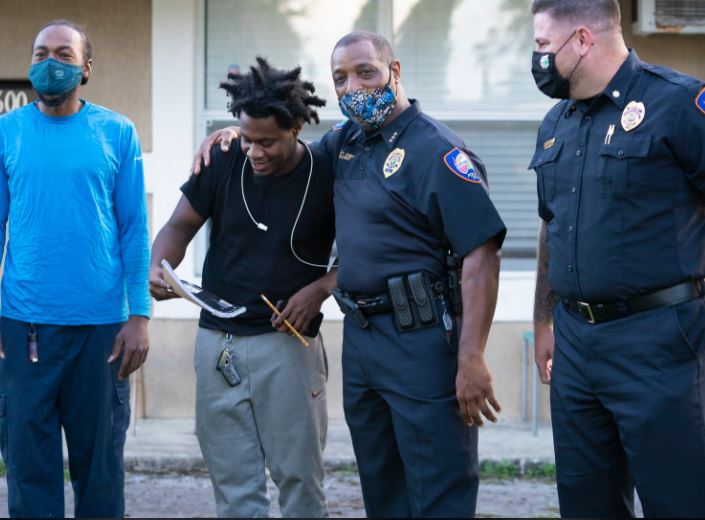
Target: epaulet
{"points": [[673, 76]]}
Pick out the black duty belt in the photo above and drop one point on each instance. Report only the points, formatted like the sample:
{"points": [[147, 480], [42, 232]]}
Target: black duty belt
{"points": [[374, 305], [599, 312], [358, 307], [382, 303]]}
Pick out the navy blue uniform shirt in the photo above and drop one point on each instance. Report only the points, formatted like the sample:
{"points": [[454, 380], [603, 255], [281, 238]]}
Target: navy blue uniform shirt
{"points": [[403, 196], [625, 210]]}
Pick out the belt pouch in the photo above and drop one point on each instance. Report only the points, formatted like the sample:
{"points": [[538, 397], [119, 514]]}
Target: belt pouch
{"points": [[421, 298], [400, 302]]}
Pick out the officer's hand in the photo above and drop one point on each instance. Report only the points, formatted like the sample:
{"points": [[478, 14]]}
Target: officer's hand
{"points": [[158, 287], [224, 136], [544, 343], [473, 386], [302, 307], [133, 341]]}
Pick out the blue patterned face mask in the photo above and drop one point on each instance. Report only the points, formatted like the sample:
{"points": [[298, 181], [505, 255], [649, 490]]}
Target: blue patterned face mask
{"points": [[369, 107]]}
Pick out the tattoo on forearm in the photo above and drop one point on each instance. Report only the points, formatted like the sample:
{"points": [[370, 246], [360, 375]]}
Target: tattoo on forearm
{"points": [[544, 298]]}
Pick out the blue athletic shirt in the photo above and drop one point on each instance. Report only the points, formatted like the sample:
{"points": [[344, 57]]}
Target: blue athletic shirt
{"points": [[72, 200]]}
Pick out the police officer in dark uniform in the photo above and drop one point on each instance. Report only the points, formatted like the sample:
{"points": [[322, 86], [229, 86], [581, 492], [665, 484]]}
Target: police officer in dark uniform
{"points": [[415, 386], [407, 193], [620, 166]]}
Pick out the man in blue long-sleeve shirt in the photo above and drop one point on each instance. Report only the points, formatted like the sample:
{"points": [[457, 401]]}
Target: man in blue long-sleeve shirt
{"points": [[74, 289]]}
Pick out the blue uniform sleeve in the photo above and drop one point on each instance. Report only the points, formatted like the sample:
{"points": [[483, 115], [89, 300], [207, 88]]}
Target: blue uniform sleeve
{"points": [[129, 199], [689, 135], [457, 204]]}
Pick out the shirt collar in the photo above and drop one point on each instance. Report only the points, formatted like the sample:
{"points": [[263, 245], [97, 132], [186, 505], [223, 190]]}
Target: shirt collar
{"points": [[391, 132], [619, 86]]}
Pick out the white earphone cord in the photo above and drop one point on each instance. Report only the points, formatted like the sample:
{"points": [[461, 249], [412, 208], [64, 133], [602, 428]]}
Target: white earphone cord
{"points": [[263, 227]]}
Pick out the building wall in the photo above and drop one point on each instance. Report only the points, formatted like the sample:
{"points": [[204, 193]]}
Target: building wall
{"points": [[149, 65], [122, 57]]}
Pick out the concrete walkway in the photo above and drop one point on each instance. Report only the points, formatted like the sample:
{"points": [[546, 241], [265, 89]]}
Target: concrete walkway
{"points": [[170, 445]]}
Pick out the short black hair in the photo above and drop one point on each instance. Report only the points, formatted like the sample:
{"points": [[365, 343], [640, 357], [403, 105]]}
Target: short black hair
{"points": [[601, 12], [80, 29], [382, 47], [266, 91]]}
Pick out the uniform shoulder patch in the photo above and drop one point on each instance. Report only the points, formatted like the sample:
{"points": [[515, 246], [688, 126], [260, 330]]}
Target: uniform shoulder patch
{"points": [[460, 164], [700, 100]]}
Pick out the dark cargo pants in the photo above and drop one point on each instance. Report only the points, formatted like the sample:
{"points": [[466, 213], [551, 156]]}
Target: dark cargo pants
{"points": [[72, 386]]}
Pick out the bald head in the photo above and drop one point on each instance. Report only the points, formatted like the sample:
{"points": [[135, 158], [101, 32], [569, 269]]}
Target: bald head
{"points": [[383, 49]]}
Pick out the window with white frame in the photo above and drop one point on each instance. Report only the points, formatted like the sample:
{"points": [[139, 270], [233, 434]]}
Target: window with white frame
{"points": [[467, 62]]}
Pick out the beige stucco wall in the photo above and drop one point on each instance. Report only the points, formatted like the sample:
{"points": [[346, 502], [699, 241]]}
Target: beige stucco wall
{"points": [[170, 380], [121, 32]]}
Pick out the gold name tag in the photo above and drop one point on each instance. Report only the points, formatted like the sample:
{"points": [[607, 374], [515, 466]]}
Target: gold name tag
{"points": [[345, 156], [548, 144]]}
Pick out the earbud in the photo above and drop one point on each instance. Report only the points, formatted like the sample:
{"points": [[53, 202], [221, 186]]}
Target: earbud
{"points": [[261, 226]]}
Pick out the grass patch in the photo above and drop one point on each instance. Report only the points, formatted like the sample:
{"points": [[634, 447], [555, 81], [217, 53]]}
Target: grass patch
{"points": [[499, 470], [512, 469], [543, 471]]}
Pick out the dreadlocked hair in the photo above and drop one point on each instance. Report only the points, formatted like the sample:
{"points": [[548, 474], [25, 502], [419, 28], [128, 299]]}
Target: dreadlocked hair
{"points": [[266, 91]]}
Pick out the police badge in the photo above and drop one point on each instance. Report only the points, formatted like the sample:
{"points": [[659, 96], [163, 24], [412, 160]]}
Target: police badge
{"points": [[633, 115], [393, 162]]}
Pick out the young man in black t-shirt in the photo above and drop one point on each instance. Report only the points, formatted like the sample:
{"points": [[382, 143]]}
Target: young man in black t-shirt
{"points": [[270, 202]]}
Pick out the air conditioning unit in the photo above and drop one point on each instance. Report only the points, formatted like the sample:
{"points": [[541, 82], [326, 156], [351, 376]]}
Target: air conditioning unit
{"points": [[668, 17]]}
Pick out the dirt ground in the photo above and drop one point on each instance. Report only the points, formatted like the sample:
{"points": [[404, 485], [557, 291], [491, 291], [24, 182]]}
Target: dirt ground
{"points": [[150, 496], [192, 496]]}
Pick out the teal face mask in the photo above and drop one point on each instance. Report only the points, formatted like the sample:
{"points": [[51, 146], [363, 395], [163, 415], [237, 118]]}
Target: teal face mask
{"points": [[54, 78]]}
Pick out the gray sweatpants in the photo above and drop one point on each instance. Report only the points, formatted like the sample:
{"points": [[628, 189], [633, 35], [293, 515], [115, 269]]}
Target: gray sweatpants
{"points": [[276, 416]]}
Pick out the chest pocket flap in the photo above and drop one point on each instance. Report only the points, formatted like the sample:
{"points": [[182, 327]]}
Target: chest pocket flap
{"points": [[544, 162], [542, 157], [621, 166], [627, 147]]}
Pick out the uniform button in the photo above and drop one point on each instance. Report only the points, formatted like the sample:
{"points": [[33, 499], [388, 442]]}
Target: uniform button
{"points": [[361, 167], [570, 268], [367, 148], [620, 153], [588, 118], [616, 93], [579, 153], [570, 228], [572, 190]]}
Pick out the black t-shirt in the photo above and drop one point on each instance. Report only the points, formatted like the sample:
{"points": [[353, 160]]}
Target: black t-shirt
{"points": [[244, 261]]}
